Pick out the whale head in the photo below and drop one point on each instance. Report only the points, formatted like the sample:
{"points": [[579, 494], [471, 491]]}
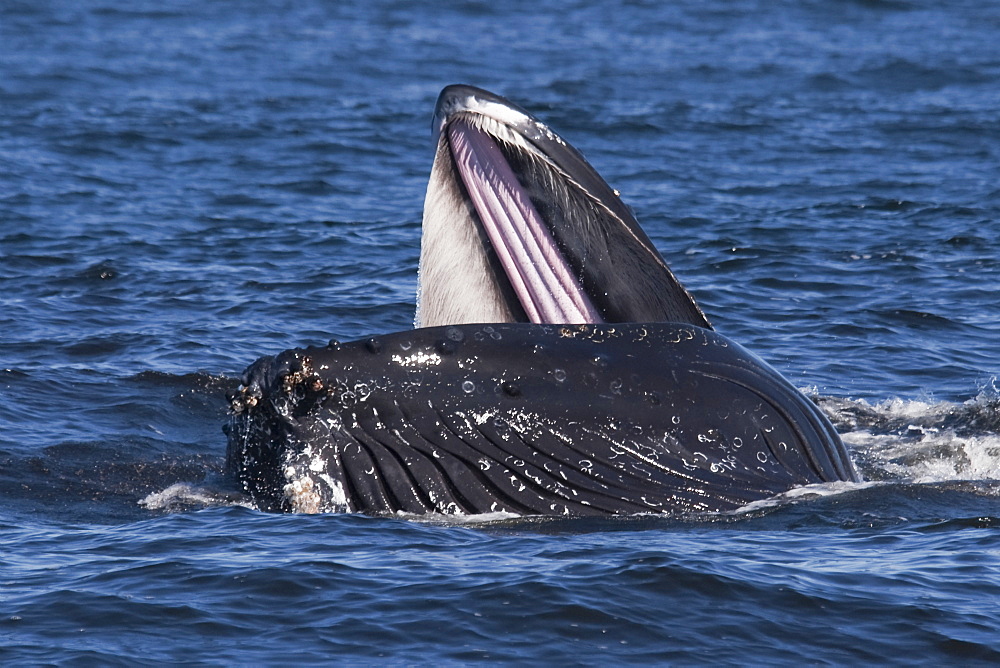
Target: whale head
{"points": [[518, 227]]}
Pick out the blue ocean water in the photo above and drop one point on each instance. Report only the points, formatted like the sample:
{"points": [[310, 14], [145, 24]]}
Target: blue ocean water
{"points": [[185, 186]]}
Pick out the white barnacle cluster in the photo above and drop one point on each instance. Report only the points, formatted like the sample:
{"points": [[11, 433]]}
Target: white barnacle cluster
{"points": [[300, 492], [417, 359], [309, 488], [303, 493]]}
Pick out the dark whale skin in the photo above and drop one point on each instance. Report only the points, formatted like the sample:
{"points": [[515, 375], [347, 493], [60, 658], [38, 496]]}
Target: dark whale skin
{"points": [[526, 419]]}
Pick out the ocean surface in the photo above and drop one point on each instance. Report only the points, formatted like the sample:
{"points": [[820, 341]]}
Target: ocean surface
{"points": [[185, 186]]}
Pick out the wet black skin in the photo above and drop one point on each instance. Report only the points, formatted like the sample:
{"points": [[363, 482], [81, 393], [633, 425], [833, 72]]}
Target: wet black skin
{"points": [[528, 419]]}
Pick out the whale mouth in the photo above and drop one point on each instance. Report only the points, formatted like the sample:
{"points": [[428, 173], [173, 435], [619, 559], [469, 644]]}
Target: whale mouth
{"points": [[547, 287], [518, 227]]}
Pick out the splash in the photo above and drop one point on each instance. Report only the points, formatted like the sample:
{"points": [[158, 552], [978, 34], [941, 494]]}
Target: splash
{"points": [[921, 440]]}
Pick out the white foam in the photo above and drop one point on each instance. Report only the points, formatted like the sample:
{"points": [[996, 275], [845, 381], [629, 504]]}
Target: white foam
{"points": [[931, 456], [922, 440]]}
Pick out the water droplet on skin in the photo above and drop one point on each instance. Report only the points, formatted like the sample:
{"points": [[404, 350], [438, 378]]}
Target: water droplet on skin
{"points": [[559, 375], [468, 386]]}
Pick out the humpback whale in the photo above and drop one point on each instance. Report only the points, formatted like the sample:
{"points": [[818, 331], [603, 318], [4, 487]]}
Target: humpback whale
{"points": [[558, 366]]}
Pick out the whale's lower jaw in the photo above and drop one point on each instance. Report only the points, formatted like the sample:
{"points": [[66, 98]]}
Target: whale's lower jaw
{"points": [[526, 419]]}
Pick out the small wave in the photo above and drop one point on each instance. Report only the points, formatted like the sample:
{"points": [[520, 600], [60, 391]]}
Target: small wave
{"points": [[195, 380], [462, 520], [806, 492], [182, 496]]}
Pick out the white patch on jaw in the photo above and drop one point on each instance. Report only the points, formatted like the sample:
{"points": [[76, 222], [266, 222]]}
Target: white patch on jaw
{"points": [[338, 496], [455, 282]]}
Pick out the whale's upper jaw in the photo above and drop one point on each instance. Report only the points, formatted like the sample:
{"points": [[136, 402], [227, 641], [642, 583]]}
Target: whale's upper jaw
{"points": [[518, 227]]}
